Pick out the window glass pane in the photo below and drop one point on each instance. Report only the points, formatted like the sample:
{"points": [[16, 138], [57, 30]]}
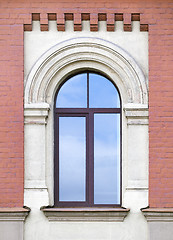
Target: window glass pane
{"points": [[102, 93], [73, 93], [72, 158], [107, 158]]}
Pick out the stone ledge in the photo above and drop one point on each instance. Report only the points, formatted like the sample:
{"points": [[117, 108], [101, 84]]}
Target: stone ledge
{"points": [[158, 214], [13, 214], [86, 214]]}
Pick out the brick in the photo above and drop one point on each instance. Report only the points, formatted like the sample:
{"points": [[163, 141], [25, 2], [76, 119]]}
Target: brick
{"points": [[68, 16], [93, 22], [110, 22], [27, 27], [135, 16], [102, 16], [36, 17], [127, 27], [119, 17], [144, 27], [85, 16], [52, 16], [44, 19], [61, 27], [44, 27], [77, 22]]}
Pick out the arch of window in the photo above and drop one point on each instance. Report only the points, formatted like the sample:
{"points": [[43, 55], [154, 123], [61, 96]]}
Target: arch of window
{"points": [[87, 117]]}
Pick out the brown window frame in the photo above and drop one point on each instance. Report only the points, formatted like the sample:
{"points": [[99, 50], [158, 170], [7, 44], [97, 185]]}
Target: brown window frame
{"points": [[89, 114]]}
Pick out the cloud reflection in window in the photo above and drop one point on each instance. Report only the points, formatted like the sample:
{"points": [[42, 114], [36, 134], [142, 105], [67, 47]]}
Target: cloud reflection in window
{"points": [[73, 93]]}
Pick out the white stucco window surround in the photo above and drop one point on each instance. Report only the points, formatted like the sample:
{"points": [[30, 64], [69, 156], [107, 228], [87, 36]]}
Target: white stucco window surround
{"points": [[47, 74]]}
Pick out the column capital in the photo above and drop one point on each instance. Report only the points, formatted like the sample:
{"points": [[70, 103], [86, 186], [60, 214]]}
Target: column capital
{"points": [[36, 113], [136, 114]]}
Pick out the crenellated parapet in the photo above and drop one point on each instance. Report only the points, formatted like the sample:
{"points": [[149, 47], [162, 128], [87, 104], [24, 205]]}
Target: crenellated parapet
{"points": [[93, 18]]}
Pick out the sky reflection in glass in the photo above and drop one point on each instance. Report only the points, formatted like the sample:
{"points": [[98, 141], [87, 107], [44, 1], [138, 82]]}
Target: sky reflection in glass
{"points": [[106, 158], [102, 93], [72, 158], [73, 93], [72, 139]]}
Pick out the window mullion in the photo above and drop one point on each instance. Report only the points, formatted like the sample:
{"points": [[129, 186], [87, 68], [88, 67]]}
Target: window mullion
{"points": [[91, 158], [87, 90]]}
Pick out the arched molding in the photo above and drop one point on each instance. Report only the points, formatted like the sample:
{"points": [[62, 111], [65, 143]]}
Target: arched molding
{"points": [[78, 54]]}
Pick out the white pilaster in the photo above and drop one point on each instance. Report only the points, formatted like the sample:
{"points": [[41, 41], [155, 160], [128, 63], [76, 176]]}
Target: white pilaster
{"points": [[35, 151]]}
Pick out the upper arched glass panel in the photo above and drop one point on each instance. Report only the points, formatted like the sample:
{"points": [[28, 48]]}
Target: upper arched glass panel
{"points": [[88, 90], [73, 93], [102, 92]]}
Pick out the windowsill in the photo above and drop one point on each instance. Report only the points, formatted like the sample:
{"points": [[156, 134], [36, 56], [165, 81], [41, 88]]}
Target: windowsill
{"points": [[86, 214], [14, 214], [158, 214]]}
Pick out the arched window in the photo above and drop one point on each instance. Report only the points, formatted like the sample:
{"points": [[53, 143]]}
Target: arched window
{"points": [[87, 142]]}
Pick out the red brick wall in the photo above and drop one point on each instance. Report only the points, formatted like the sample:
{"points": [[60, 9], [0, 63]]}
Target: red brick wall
{"points": [[159, 16]]}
